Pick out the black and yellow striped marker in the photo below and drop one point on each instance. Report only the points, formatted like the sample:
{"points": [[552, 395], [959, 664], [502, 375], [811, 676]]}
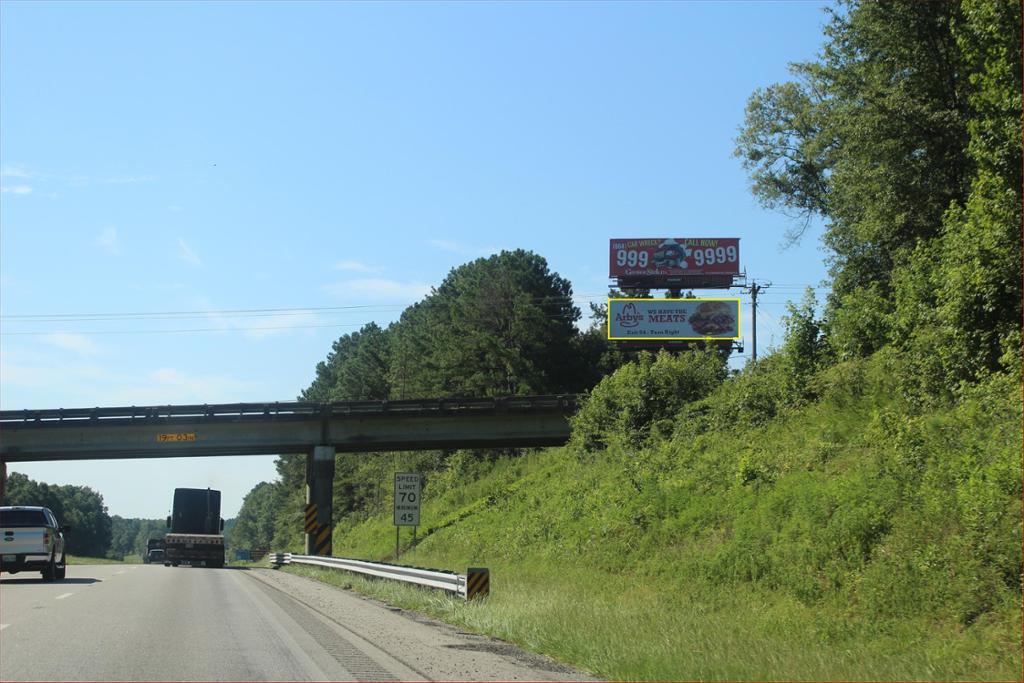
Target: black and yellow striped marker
{"points": [[478, 583], [310, 518], [323, 543]]}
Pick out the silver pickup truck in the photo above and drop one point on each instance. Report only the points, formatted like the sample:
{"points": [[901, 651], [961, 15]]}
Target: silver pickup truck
{"points": [[32, 540]]}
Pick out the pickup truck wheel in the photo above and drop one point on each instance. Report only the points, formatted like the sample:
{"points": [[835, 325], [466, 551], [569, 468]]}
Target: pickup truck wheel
{"points": [[62, 568], [50, 572]]}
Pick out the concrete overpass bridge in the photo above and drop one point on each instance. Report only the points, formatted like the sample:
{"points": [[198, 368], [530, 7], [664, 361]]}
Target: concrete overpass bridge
{"points": [[320, 430]]}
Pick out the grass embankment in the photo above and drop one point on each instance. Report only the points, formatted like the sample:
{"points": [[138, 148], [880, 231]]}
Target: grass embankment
{"points": [[845, 537]]}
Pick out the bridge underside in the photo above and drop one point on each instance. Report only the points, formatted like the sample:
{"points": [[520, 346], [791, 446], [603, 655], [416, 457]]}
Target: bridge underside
{"points": [[319, 430]]}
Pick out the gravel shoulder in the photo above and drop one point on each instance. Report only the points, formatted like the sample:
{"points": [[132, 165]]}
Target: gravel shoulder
{"points": [[435, 650]]}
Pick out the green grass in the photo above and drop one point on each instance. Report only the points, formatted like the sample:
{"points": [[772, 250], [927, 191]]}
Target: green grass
{"points": [[620, 628], [846, 537]]}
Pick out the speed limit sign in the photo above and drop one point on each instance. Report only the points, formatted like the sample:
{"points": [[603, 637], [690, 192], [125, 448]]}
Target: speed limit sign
{"points": [[407, 499]]}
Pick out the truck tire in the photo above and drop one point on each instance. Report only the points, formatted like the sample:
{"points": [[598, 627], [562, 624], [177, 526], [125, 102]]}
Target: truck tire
{"points": [[62, 568], [50, 571]]}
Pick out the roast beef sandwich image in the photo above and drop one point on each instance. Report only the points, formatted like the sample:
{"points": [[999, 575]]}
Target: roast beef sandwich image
{"points": [[714, 318]]}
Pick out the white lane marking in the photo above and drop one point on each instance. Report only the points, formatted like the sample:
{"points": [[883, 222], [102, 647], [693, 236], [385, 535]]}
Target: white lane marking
{"points": [[3, 626], [120, 572], [65, 595]]}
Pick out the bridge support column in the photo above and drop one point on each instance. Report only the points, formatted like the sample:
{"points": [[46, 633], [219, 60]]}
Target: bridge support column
{"points": [[319, 494]]}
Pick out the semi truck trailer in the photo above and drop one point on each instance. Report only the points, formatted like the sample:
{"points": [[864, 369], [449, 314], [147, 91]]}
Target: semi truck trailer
{"points": [[195, 535]]}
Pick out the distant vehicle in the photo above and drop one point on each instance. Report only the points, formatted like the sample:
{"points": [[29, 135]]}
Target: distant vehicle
{"points": [[33, 540], [151, 545], [155, 556], [195, 529]]}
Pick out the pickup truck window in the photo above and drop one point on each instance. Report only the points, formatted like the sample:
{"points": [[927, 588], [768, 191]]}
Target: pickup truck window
{"points": [[16, 518]]}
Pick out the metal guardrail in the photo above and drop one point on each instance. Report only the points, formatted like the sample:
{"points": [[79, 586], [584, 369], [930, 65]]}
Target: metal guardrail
{"points": [[286, 410], [468, 587]]}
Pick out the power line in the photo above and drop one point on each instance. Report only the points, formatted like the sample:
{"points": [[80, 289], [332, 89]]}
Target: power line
{"points": [[259, 312], [173, 331], [145, 316], [550, 316]]}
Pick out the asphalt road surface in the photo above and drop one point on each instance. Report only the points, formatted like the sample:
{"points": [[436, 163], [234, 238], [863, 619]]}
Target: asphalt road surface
{"points": [[156, 623]]}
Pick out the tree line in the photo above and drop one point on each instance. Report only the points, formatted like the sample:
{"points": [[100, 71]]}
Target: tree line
{"points": [[94, 532], [80, 507]]}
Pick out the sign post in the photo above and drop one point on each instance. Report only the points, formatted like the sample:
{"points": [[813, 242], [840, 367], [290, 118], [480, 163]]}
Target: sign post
{"points": [[407, 503]]}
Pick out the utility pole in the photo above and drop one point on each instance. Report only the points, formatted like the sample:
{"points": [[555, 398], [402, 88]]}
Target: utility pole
{"points": [[755, 289]]}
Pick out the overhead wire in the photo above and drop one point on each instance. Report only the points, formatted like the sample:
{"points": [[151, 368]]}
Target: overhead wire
{"points": [[228, 314]]}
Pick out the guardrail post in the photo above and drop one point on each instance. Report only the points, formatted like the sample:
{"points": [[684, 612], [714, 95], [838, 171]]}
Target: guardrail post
{"points": [[319, 490], [478, 583]]}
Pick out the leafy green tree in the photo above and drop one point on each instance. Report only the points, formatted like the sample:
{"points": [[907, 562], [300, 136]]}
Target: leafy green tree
{"points": [[123, 533], [904, 136], [355, 369], [149, 529], [254, 526], [496, 326], [77, 506], [804, 348]]}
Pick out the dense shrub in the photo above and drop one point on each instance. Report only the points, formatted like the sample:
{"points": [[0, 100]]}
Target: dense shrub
{"points": [[643, 398]]}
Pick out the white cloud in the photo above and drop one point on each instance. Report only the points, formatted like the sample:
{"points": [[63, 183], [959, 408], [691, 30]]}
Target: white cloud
{"points": [[379, 289], [128, 179], [258, 327], [186, 254], [47, 376], [462, 248], [78, 343], [168, 386], [15, 189], [38, 377], [108, 240], [17, 172], [176, 379], [356, 266], [269, 327]]}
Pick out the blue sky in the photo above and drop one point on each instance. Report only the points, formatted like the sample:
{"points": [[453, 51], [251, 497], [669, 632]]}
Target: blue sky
{"points": [[337, 160]]}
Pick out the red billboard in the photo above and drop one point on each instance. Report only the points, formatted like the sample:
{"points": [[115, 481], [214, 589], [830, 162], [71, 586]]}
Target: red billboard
{"points": [[659, 258]]}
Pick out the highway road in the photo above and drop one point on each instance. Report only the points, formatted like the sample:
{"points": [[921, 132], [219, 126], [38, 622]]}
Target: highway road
{"points": [[156, 623]]}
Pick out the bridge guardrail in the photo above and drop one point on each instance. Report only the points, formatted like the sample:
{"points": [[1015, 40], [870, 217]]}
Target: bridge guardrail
{"points": [[284, 410], [474, 585]]}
